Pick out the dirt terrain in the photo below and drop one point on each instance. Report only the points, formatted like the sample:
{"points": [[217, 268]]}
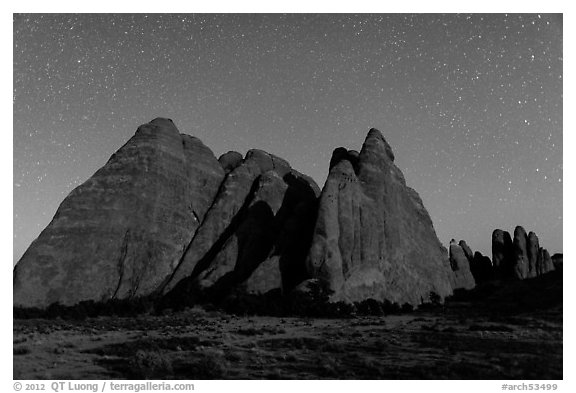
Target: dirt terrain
{"points": [[507, 332]]}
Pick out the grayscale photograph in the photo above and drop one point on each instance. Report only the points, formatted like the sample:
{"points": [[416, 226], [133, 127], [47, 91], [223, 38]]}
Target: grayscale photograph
{"points": [[287, 196]]}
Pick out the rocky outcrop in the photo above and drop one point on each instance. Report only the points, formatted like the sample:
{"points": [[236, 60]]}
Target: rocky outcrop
{"points": [[230, 161], [532, 248], [481, 268], [164, 215], [164, 218], [520, 263], [255, 235], [544, 263], [373, 237], [122, 232], [558, 261], [502, 253], [467, 250], [521, 258], [461, 266]]}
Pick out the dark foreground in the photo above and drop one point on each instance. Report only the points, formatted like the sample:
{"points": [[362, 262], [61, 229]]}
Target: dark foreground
{"points": [[500, 331]]}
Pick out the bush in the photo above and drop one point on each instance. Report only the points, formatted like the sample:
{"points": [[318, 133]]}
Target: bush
{"points": [[22, 350], [151, 365], [370, 307], [210, 364]]}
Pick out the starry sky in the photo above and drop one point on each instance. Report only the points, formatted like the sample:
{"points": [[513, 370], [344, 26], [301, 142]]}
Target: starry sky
{"points": [[471, 103]]}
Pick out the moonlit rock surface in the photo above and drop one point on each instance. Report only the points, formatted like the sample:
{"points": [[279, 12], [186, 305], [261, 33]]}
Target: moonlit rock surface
{"points": [[461, 268], [373, 237], [123, 231]]}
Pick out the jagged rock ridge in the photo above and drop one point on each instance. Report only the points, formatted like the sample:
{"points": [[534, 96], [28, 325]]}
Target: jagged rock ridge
{"points": [[165, 218], [521, 257], [122, 232], [373, 237]]}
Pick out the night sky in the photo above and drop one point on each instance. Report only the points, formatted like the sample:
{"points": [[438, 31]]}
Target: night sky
{"points": [[471, 104]]}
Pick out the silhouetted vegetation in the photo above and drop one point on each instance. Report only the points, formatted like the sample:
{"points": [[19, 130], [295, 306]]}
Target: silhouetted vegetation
{"points": [[314, 302]]}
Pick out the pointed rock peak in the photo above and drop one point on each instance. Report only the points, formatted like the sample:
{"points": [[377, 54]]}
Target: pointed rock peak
{"points": [[162, 121], [340, 153], [375, 142], [159, 125], [374, 133], [519, 231]]}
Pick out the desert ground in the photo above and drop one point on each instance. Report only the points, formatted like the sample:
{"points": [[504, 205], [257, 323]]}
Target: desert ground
{"points": [[499, 331]]}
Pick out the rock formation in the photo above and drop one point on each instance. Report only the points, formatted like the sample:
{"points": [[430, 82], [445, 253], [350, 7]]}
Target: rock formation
{"points": [[502, 252], [521, 258], [460, 265], [122, 232], [544, 263], [533, 246], [520, 263], [467, 250], [163, 214], [481, 268], [558, 261], [230, 161], [373, 237], [164, 218]]}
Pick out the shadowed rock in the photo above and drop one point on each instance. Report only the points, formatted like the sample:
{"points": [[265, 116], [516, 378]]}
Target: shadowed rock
{"points": [[523, 258], [502, 253], [230, 161], [123, 231], [520, 262], [164, 218], [544, 263], [481, 268], [467, 250], [558, 261], [255, 222], [461, 267], [532, 247], [373, 237]]}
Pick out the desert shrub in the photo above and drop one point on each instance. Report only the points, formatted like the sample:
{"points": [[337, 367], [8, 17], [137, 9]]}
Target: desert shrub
{"points": [[490, 328], [22, 350], [209, 364], [313, 302], [391, 308], [370, 307], [20, 340], [239, 303], [329, 368], [89, 309], [150, 365]]}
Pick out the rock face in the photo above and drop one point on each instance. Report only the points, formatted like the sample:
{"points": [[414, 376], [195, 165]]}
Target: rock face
{"points": [[164, 218], [255, 235], [230, 161], [122, 232], [467, 250], [558, 261], [481, 268], [521, 258], [532, 246], [502, 252], [544, 263], [521, 264], [461, 266], [373, 237], [163, 214]]}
